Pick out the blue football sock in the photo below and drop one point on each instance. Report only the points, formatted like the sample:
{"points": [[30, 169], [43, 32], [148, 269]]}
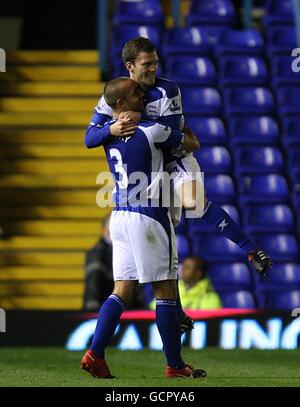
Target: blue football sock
{"points": [[108, 320], [168, 324], [225, 225], [180, 311]]}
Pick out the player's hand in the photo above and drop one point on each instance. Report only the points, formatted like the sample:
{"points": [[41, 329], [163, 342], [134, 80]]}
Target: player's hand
{"points": [[133, 117], [122, 127]]}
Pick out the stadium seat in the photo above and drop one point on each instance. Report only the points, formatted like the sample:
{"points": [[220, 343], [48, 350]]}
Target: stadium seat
{"points": [[268, 218], [258, 160], [211, 12], [238, 299], [279, 12], [240, 42], [183, 247], [209, 130], [229, 276], [243, 70], [201, 100], [272, 188], [282, 276], [181, 228], [296, 191], [294, 161], [248, 100], [281, 40], [282, 72], [283, 300], [253, 130], [280, 247], [145, 12], [191, 41], [220, 188], [124, 33], [291, 131], [288, 98], [214, 160], [191, 70], [216, 248]]}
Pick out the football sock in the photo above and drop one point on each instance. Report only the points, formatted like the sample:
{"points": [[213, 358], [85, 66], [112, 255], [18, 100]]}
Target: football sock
{"points": [[168, 325], [180, 311], [108, 320], [225, 225]]}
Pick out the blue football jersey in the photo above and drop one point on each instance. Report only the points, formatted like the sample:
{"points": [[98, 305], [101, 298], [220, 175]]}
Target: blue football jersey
{"points": [[137, 165]]}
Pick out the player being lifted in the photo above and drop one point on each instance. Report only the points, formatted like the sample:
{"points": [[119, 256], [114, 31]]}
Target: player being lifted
{"points": [[163, 105], [142, 233]]}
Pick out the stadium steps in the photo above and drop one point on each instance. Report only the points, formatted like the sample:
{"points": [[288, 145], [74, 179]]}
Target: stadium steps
{"points": [[54, 212], [21, 274], [51, 88], [48, 178], [47, 105]]}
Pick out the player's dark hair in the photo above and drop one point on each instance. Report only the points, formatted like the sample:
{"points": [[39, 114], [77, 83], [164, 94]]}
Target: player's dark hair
{"points": [[132, 48], [115, 90]]}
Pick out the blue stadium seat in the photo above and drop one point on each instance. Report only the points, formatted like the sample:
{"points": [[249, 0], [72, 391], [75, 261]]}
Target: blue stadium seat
{"points": [[288, 98], [209, 130], [243, 70], [192, 41], [220, 188], [268, 218], [253, 130], [296, 191], [279, 12], [248, 100], [198, 226], [201, 100], [282, 276], [282, 71], [183, 247], [291, 131], [272, 188], [216, 248], [283, 300], [258, 160], [211, 12], [229, 276], [238, 299], [148, 12], [191, 70], [214, 160], [281, 40], [124, 33], [294, 161], [240, 42], [280, 247]]}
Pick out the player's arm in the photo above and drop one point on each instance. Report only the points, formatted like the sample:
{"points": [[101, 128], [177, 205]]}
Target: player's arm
{"points": [[101, 129], [172, 116]]}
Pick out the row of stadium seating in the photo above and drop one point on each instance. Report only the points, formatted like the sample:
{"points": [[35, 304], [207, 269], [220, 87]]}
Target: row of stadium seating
{"points": [[207, 12], [241, 98]]}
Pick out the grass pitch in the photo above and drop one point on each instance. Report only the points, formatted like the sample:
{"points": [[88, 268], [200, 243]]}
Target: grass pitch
{"points": [[48, 367]]}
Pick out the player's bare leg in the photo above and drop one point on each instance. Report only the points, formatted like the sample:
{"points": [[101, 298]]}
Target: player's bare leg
{"points": [[93, 360], [222, 223], [168, 324]]}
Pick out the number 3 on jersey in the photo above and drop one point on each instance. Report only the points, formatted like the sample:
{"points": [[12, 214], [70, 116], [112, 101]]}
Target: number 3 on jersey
{"points": [[119, 168]]}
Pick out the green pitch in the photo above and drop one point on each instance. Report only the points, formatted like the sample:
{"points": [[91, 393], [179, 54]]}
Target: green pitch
{"points": [[58, 367]]}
